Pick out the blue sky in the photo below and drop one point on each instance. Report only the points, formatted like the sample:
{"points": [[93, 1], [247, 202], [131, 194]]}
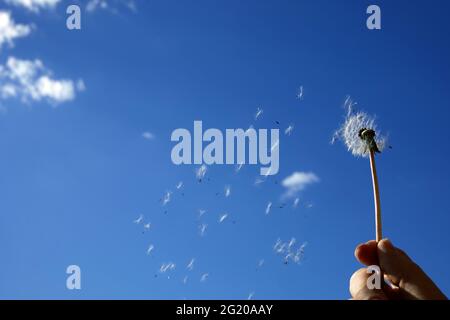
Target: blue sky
{"points": [[76, 171]]}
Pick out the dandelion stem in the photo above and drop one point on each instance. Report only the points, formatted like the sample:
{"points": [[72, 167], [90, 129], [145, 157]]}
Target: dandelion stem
{"points": [[376, 196]]}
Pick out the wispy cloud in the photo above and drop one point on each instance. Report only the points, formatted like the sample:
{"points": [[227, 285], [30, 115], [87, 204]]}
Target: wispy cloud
{"points": [[113, 6], [298, 181], [9, 30], [34, 5], [29, 81], [148, 135]]}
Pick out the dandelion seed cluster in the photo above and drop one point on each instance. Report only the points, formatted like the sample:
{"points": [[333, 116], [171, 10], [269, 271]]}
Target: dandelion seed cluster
{"points": [[348, 132]]}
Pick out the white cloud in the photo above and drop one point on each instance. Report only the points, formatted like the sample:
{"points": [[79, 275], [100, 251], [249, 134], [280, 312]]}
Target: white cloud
{"points": [[298, 181], [9, 30], [29, 80], [111, 5], [34, 5]]}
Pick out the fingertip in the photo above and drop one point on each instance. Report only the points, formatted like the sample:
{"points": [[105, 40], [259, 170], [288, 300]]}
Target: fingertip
{"points": [[385, 246]]}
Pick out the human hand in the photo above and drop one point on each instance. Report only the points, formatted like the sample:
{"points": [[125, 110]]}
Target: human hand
{"points": [[408, 280]]}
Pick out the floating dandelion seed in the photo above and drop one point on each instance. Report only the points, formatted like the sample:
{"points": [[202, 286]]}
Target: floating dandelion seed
{"points": [[300, 93], [359, 133], [201, 172], [289, 130], [139, 220], [147, 226], [204, 277], [185, 279], [258, 181], [268, 207], [250, 296], [289, 252], [296, 202], [166, 198], [190, 265], [227, 191], [202, 228], [223, 217], [150, 249], [239, 167], [201, 212], [260, 263], [167, 267], [258, 113], [180, 185]]}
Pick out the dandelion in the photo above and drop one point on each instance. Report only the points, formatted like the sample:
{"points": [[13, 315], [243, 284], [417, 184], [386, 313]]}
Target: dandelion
{"points": [[289, 130], [360, 134], [204, 277], [201, 172], [190, 265], [268, 207], [259, 112], [227, 191], [139, 220], [223, 217]]}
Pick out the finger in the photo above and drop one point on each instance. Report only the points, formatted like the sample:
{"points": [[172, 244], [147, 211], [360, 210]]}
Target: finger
{"points": [[360, 290], [366, 253], [405, 274]]}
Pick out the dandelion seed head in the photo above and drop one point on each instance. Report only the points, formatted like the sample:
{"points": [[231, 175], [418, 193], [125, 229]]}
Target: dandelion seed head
{"points": [[350, 130]]}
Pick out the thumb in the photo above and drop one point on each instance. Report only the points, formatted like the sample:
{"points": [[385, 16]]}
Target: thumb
{"points": [[406, 274]]}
